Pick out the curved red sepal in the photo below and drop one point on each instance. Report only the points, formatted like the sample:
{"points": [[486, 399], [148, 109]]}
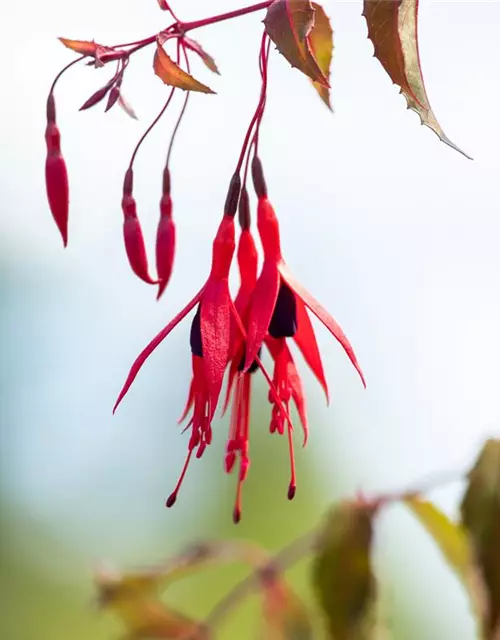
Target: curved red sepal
{"points": [[322, 314], [215, 322], [264, 299], [306, 342], [157, 340]]}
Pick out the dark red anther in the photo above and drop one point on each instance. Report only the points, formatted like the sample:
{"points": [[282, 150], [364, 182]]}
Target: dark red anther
{"points": [[236, 515], [56, 175], [259, 182], [291, 491], [165, 237], [170, 501], [233, 195]]}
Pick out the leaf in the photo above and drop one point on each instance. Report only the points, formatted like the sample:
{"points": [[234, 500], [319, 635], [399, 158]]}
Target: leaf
{"points": [[171, 74], [342, 571], [93, 49], [481, 518], [132, 598], [321, 43], [451, 538], [197, 48], [289, 23], [126, 107], [392, 28], [285, 615]]}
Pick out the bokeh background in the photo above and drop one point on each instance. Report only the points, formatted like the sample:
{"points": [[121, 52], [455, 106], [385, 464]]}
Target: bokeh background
{"points": [[394, 232]]}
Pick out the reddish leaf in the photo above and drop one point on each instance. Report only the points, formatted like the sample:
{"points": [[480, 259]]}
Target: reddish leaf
{"points": [[100, 52], [171, 74], [392, 27], [83, 47], [288, 23], [207, 58], [321, 42]]}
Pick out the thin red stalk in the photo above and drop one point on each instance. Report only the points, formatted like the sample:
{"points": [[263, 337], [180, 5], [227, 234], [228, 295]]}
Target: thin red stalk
{"points": [[258, 112], [63, 70], [186, 100], [155, 121], [196, 24]]}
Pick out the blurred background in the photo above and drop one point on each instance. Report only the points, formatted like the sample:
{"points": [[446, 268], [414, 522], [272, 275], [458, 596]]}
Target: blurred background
{"points": [[393, 231]]}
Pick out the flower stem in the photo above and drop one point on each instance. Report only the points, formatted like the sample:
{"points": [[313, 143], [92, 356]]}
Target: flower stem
{"points": [[188, 26]]}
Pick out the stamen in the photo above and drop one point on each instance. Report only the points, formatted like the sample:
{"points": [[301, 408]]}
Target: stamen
{"points": [[292, 487], [173, 496]]}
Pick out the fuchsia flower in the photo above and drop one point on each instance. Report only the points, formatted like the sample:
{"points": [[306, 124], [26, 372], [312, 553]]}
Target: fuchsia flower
{"points": [[213, 336], [280, 303]]}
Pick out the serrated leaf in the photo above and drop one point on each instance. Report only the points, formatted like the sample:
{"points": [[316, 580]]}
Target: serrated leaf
{"points": [[289, 23], [99, 52], [392, 28], [206, 57], [451, 538], [171, 74], [321, 42], [481, 517], [285, 615], [342, 572]]}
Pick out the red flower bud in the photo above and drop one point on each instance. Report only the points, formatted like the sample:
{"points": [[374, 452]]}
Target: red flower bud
{"points": [[134, 240], [56, 177], [165, 243]]}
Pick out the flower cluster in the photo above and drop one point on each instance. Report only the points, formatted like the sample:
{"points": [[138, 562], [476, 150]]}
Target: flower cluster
{"points": [[228, 335]]}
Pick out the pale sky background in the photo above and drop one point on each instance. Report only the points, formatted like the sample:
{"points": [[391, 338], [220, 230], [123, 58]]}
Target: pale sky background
{"points": [[397, 235]]}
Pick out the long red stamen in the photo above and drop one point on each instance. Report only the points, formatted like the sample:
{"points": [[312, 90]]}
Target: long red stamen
{"points": [[170, 501]]}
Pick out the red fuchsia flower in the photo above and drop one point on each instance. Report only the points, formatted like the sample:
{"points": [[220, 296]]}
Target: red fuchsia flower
{"points": [[213, 332], [279, 303]]}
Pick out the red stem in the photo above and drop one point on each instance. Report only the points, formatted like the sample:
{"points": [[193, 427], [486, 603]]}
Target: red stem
{"points": [[188, 26]]}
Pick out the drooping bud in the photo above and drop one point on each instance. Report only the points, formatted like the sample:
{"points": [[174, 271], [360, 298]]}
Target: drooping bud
{"points": [[132, 232], [165, 236], [96, 97], [56, 175], [259, 182], [233, 195]]}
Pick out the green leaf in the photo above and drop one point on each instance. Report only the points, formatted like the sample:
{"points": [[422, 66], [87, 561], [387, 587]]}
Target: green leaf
{"points": [[289, 24], [452, 540], [481, 518], [342, 572], [392, 28], [321, 43], [171, 74]]}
